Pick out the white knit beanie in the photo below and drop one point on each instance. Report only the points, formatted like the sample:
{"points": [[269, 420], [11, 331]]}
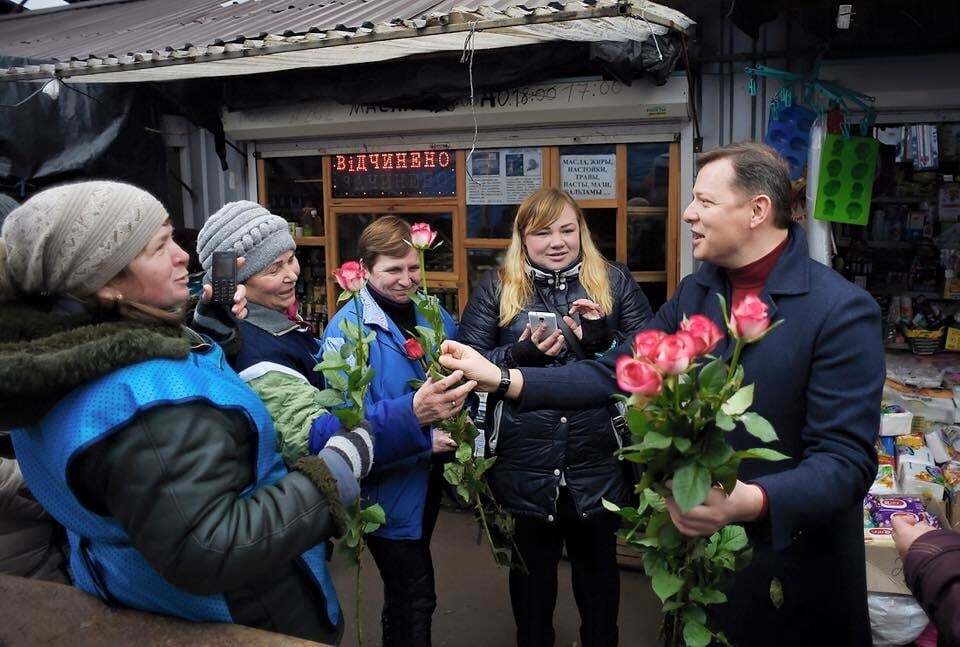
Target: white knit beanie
{"points": [[72, 239], [248, 229]]}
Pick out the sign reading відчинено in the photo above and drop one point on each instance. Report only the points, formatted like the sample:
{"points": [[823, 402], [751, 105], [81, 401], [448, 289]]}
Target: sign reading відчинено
{"points": [[406, 174]]}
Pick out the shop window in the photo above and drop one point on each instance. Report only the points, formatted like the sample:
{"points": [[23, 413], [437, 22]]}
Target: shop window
{"points": [[312, 287], [491, 220], [480, 261], [647, 241], [351, 225], [292, 187], [603, 230], [648, 174], [656, 293]]}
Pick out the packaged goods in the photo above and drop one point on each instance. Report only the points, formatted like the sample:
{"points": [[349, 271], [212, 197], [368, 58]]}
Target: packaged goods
{"points": [[886, 481], [921, 480], [919, 455]]}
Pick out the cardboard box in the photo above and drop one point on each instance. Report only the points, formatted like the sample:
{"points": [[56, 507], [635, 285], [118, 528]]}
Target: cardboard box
{"points": [[884, 568], [953, 334]]}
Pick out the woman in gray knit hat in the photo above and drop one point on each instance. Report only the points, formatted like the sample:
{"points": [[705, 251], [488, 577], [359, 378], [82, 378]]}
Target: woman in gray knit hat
{"points": [[276, 355], [134, 434]]}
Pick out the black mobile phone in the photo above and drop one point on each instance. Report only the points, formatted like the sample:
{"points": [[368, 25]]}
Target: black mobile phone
{"points": [[224, 277]]}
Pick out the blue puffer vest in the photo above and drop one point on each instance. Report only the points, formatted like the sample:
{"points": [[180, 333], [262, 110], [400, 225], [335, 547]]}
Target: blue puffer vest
{"points": [[102, 559]]}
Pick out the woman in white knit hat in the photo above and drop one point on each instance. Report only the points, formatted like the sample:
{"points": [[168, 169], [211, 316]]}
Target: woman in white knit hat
{"points": [[137, 437]]}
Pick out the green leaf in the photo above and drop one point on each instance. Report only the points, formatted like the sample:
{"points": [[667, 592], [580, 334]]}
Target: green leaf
{"points": [[637, 421], [694, 613], [612, 507], [695, 634], [329, 398], [373, 514], [739, 401], [334, 359], [763, 454], [725, 422], [655, 501], [463, 453], [712, 377], [758, 426], [717, 452], [654, 440], [707, 596], [665, 584], [337, 380], [776, 593], [682, 444], [733, 538], [691, 483]]}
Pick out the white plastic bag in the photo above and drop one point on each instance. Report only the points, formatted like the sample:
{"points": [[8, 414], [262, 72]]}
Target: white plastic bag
{"points": [[895, 619]]}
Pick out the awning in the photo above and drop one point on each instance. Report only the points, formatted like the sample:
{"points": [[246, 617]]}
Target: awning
{"points": [[493, 25]]}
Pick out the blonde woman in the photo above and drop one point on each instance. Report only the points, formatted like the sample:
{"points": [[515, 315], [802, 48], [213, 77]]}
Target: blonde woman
{"points": [[554, 467]]}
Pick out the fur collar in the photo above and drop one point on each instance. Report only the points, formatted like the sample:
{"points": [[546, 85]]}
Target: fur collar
{"points": [[44, 355]]}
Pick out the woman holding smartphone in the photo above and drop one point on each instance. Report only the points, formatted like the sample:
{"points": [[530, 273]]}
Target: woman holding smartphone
{"points": [[555, 467]]}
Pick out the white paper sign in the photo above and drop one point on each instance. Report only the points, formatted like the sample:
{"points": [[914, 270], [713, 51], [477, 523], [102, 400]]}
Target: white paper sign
{"points": [[589, 177], [503, 176]]}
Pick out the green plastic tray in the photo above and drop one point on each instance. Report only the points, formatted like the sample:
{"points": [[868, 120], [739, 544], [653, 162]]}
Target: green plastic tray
{"points": [[845, 185]]}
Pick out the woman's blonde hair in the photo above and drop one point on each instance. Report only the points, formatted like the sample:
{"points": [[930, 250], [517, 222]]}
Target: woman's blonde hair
{"points": [[540, 210]]}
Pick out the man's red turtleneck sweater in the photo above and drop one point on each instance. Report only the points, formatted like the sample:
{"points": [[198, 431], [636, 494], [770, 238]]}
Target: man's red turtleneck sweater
{"points": [[750, 279]]}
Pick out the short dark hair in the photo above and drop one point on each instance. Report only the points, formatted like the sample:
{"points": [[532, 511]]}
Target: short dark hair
{"points": [[757, 169], [385, 236]]}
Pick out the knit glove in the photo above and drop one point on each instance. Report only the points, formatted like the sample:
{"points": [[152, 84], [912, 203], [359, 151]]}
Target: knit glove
{"points": [[526, 353], [597, 335], [354, 447]]}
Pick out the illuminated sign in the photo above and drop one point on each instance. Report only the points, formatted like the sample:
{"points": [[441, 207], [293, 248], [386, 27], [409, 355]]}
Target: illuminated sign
{"points": [[408, 174]]}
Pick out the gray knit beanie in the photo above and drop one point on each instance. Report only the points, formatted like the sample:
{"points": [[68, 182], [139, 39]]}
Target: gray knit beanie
{"points": [[72, 239], [250, 230]]}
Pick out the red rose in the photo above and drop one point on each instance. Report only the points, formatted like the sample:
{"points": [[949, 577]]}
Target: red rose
{"points": [[636, 376], [706, 333], [675, 353], [421, 235], [413, 348], [646, 342], [350, 276], [749, 318]]}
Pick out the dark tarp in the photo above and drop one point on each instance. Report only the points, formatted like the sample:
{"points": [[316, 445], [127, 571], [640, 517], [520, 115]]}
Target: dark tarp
{"points": [[92, 131]]}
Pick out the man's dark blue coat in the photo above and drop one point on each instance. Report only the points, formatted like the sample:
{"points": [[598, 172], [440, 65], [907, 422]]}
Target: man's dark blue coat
{"points": [[818, 380]]}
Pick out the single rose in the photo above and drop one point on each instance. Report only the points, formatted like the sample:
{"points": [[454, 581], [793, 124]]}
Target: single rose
{"points": [[350, 276], [675, 353], [421, 235], [637, 376], [706, 333], [646, 342], [413, 349], [749, 319]]}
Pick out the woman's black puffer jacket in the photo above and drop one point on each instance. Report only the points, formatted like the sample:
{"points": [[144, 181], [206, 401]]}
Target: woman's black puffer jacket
{"points": [[538, 451]]}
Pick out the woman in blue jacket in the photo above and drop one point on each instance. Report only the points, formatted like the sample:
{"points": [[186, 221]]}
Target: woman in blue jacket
{"points": [[401, 547]]}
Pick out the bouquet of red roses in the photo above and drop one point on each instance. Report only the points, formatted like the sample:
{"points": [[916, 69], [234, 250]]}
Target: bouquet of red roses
{"points": [[683, 402]]}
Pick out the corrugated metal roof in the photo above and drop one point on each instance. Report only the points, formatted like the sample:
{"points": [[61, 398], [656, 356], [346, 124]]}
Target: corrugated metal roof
{"points": [[106, 36]]}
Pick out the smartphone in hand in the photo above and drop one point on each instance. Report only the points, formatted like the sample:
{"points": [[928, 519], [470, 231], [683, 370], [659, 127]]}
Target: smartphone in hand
{"points": [[546, 319], [224, 277]]}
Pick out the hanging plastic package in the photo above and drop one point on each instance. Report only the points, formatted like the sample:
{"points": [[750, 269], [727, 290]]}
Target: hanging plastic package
{"points": [[819, 234], [924, 147], [788, 131], [895, 619]]}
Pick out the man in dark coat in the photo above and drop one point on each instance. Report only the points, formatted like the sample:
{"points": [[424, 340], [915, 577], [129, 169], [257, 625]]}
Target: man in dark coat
{"points": [[818, 379]]}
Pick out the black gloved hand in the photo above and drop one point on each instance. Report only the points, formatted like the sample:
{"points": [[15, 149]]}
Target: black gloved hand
{"points": [[216, 322], [526, 353], [596, 335]]}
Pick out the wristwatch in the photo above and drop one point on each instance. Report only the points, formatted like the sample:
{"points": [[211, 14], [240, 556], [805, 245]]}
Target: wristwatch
{"points": [[504, 383]]}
